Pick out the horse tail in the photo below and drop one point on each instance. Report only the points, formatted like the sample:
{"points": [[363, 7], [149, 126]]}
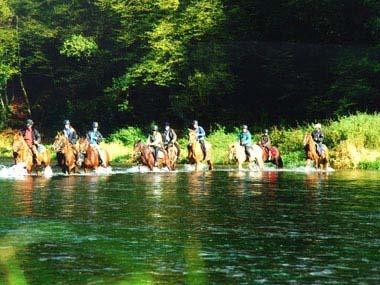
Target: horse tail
{"points": [[280, 163]]}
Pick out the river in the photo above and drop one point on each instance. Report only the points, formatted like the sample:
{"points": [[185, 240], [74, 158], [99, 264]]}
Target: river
{"points": [[219, 227]]}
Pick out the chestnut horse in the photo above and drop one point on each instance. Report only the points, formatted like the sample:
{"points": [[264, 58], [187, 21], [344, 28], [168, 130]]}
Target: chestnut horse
{"points": [[172, 151], [312, 154], [275, 156], [65, 153], [23, 154], [88, 156], [237, 152], [144, 155], [195, 153]]}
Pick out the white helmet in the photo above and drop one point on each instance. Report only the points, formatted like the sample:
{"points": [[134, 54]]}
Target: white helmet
{"points": [[318, 126]]}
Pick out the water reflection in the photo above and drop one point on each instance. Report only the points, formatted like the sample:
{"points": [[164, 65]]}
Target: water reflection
{"points": [[174, 228]]}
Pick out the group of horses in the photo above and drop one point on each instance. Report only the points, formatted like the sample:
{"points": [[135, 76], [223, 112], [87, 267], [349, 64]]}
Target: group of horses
{"points": [[72, 158]]}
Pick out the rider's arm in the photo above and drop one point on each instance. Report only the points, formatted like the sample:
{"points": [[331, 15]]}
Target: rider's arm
{"points": [[100, 137], [37, 136], [201, 133], [174, 139], [88, 137]]}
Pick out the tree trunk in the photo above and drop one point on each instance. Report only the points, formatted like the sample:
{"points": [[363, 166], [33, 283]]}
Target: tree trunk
{"points": [[25, 96]]}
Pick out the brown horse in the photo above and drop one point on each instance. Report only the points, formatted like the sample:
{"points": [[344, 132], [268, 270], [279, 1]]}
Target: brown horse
{"points": [[172, 151], [144, 155], [195, 153], [23, 154], [65, 153], [88, 157], [312, 154], [275, 156]]}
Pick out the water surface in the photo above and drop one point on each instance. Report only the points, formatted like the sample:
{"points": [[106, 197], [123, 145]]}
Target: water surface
{"points": [[220, 227]]}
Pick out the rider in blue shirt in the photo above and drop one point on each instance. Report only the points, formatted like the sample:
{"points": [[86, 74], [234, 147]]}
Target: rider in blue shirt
{"points": [[95, 138], [245, 139], [201, 134]]}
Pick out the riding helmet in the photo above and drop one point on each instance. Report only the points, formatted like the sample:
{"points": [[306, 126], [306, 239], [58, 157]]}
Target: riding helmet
{"points": [[95, 125], [318, 126], [244, 127], [266, 131], [29, 122], [155, 128], [167, 124], [66, 122], [195, 122]]}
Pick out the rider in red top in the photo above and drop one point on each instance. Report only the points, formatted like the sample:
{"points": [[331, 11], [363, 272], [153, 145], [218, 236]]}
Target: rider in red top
{"points": [[31, 136]]}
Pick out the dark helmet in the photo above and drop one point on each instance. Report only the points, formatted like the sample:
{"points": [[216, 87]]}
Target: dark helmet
{"points": [[167, 124], [29, 123], [155, 128], [195, 122], [244, 127], [95, 124], [66, 122], [266, 131]]}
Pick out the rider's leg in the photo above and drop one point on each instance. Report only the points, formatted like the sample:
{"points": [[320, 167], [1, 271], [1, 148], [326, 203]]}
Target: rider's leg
{"points": [[246, 149], [34, 150], [178, 149], [156, 150]]}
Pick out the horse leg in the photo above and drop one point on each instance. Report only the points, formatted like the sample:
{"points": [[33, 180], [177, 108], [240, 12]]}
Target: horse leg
{"points": [[210, 166]]}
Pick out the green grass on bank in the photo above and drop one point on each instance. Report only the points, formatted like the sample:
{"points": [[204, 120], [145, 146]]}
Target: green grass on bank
{"points": [[354, 142]]}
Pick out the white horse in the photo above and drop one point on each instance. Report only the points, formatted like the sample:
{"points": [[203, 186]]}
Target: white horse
{"points": [[237, 153]]}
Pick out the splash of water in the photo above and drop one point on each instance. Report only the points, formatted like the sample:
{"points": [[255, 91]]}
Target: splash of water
{"points": [[17, 171]]}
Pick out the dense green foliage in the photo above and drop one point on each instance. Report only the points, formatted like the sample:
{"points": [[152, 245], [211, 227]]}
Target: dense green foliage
{"points": [[352, 140], [222, 62]]}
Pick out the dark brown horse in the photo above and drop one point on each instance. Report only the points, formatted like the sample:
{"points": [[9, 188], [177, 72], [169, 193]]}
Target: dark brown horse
{"points": [[88, 157], [65, 153], [144, 155], [275, 156]]}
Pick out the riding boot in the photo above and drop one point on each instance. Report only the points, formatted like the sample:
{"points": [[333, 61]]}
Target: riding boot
{"points": [[156, 150], [247, 153]]}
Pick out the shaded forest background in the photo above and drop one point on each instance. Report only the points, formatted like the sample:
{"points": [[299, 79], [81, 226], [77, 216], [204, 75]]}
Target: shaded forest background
{"points": [[131, 62]]}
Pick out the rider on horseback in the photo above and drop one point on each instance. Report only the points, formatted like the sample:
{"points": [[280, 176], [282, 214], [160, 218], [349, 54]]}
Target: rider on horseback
{"points": [[72, 136], [95, 138], [155, 141], [201, 134], [266, 143], [70, 132], [170, 138], [32, 137], [245, 139], [318, 138]]}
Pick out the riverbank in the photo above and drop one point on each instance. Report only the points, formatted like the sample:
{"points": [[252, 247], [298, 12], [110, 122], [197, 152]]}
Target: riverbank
{"points": [[354, 143]]}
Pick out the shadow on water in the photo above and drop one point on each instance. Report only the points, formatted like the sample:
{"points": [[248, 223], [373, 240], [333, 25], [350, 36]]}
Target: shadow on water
{"points": [[225, 227]]}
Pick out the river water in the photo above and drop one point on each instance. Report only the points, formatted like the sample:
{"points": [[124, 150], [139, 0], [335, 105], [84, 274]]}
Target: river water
{"points": [[220, 227]]}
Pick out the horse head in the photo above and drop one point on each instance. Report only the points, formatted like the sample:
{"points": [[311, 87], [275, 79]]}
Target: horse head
{"points": [[307, 139], [137, 149], [59, 142], [18, 142], [83, 146], [232, 152], [192, 136]]}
